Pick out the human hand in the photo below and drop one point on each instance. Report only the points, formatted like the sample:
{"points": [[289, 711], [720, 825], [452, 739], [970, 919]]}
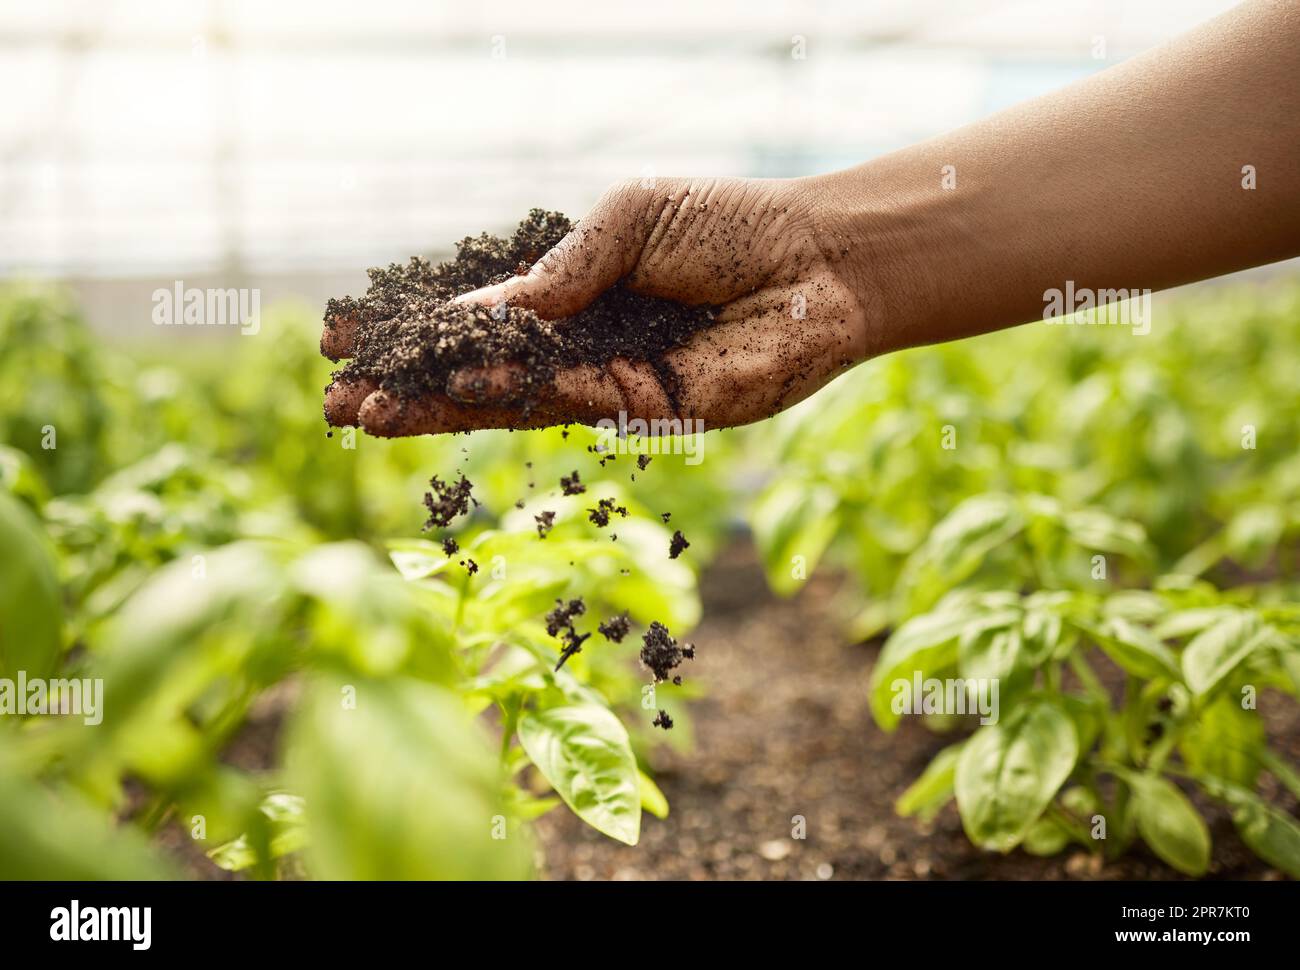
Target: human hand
{"points": [[766, 253]]}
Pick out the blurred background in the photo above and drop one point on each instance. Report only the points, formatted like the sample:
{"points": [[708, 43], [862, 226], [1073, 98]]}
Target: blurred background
{"points": [[176, 521], [288, 146]]}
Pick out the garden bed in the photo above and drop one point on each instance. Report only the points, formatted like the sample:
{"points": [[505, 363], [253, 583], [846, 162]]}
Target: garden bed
{"points": [[786, 730]]}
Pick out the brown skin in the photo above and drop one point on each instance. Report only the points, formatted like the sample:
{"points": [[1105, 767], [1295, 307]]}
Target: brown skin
{"points": [[1128, 179]]}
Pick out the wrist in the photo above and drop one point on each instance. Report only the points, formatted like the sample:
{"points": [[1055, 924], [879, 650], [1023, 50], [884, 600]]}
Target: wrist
{"points": [[892, 236]]}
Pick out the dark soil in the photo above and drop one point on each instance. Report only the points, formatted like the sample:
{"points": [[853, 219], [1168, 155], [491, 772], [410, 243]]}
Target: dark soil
{"points": [[604, 509], [563, 614], [559, 623], [410, 339], [616, 628], [784, 731], [677, 545], [445, 501], [545, 522], [661, 654]]}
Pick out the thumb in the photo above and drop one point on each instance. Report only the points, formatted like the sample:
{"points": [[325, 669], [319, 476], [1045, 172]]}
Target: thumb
{"points": [[596, 254]]}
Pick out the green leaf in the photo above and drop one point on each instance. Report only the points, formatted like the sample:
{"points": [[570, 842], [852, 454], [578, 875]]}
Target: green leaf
{"points": [[1100, 531], [1089, 717], [399, 783], [990, 647], [1225, 741], [652, 799], [182, 632], [1282, 771], [1134, 649], [19, 477], [56, 833], [956, 548], [1009, 772], [369, 617], [1050, 834], [584, 752], [1046, 837], [1216, 651], [1254, 532], [31, 603], [416, 558], [285, 833], [934, 789], [926, 644], [1169, 823], [793, 518], [1271, 833], [1187, 622]]}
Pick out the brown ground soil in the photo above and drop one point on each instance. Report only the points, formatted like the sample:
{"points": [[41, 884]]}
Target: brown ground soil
{"points": [[785, 731]]}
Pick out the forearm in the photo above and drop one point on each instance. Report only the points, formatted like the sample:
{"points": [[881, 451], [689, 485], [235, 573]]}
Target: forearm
{"points": [[1129, 179]]}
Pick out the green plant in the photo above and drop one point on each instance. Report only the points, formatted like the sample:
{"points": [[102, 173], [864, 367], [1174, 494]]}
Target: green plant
{"points": [[204, 567], [1033, 509], [1068, 760]]}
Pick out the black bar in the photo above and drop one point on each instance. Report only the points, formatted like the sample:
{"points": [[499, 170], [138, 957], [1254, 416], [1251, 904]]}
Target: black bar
{"points": [[932, 919]]}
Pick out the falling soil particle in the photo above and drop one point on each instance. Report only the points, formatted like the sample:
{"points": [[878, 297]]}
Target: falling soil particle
{"points": [[599, 516], [663, 720], [660, 652], [642, 461], [445, 501], [410, 338], [571, 485], [563, 614], [450, 546], [559, 623], [572, 644], [678, 545], [615, 628], [545, 522]]}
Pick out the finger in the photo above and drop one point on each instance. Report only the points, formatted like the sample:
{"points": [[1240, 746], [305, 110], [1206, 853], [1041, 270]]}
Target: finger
{"points": [[583, 394], [498, 384], [577, 395], [338, 338], [343, 399], [600, 250], [386, 415]]}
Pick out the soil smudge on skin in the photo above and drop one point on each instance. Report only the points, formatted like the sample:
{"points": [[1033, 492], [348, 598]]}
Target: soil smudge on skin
{"points": [[410, 338]]}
